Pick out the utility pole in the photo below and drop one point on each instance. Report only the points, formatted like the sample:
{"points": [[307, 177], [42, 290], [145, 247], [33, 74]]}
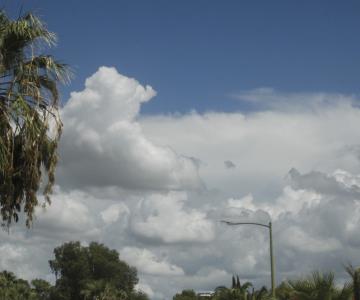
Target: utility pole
{"points": [[272, 259]]}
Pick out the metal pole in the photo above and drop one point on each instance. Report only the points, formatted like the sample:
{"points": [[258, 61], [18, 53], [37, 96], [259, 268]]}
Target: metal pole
{"points": [[272, 259], [272, 262]]}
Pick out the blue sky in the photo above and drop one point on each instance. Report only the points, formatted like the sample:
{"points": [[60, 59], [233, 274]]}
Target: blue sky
{"points": [[154, 184], [197, 53]]}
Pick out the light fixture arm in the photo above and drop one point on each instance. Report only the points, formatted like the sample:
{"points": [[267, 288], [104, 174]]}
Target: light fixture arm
{"points": [[272, 259]]}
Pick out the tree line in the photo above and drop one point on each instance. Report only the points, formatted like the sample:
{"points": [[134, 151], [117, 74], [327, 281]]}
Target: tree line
{"points": [[92, 272], [317, 286]]}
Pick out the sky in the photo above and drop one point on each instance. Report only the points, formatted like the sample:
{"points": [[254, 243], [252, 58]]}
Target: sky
{"points": [[182, 114], [215, 49]]}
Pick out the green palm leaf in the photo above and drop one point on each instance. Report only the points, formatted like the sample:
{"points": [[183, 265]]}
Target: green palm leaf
{"points": [[29, 103]]}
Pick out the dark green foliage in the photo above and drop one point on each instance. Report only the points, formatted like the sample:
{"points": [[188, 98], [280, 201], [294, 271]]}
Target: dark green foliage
{"points": [[137, 296], [237, 292], [82, 273], [319, 286], [106, 265], [238, 285], [89, 271], [186, 295], [227, 294], [355, 276], [261, 294], [42, 288], [283, 291], [13, 288], [29, 104]]}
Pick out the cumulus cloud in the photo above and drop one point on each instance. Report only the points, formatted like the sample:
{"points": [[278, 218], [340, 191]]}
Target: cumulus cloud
{"points": [[103, 144], [340, 184], [135, 183], [311, 221], [112, 213], [163, 217], [147, 262], [15, 259], [68, 214], [296, 238], [290, 201], [265, 144]]}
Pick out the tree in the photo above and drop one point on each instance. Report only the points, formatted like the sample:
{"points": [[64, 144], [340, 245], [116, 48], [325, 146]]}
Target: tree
{"points": [[94, 272], [42, 289], [30, 126], [186, 295], [355, 275], [90, 272], [233, 282], [228, 294], [319, 286], [261, 294], [238, 291], [238, 285], [137, 295], [283, 291], [13, 288], [71, 269], [102, 290]]}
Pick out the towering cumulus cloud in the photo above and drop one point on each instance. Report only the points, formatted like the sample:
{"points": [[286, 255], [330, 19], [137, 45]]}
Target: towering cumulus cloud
{"points": [[103, 145], [163, 218], [124, 180]]}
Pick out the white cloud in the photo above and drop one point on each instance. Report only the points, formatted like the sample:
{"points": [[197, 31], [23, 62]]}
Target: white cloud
{"points": [[114, 212], [103, 144], [296, 238], [15, 259], [269, 98], [265, 145], [347, 178], [68, 214], [118, 172], [206, 279], [147, 262], [163, 217], [314, 213], [290, 201], [315, 220]]}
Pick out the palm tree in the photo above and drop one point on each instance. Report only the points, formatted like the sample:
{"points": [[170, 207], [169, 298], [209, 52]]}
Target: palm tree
{"points": [[30, 126], [242, 293], [355, 275], [319, 287], [261, 294], [345, 293], [283, 291]]}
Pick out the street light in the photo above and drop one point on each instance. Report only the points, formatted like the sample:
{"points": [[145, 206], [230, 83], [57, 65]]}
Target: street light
{"points": [[272, 260]]}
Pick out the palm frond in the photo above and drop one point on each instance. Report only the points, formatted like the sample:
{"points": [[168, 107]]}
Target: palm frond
{"points": [[29, 102]]}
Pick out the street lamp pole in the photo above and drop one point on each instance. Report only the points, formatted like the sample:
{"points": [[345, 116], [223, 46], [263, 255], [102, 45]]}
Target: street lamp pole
{"points": [[272, 259]]}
